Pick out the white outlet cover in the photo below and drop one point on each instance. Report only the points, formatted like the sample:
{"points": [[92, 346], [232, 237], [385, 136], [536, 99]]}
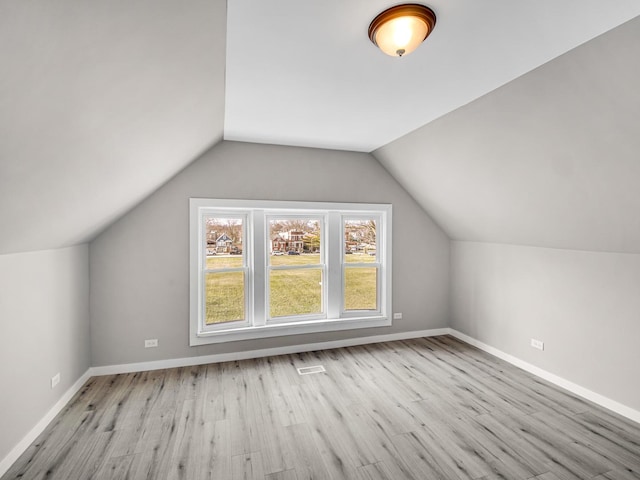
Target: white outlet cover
{"points": [[397, 316], [537, 344]]}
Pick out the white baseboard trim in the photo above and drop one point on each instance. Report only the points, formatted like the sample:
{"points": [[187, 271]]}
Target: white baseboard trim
{"points": [[576, 389], [29, 438], [266, 352]]}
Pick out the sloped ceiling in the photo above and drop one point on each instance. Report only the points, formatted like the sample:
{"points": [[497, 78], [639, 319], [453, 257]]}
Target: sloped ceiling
{"points": [[103, 102], [100, 103], [305, 73], [552, 159]]}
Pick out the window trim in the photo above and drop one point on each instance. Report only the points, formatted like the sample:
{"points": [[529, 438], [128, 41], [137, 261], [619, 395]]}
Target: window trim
{"points": [[255, 246]]}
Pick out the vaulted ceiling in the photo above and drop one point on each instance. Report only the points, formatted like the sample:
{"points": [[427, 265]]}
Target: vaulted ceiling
{"points": [[102, 102], [552, 159], [305, 73]]}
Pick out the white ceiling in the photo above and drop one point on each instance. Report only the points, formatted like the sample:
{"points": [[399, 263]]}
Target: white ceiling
{"points": [[102, 102], [552, 159], [305, 73]]}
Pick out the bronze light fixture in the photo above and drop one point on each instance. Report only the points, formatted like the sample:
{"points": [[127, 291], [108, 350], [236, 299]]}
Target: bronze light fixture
{"points": [[401, 29]]}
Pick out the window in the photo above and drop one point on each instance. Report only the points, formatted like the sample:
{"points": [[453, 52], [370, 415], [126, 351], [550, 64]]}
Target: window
{"points": [[265, 268], [225, 270], [361, 265], [296, 268]]}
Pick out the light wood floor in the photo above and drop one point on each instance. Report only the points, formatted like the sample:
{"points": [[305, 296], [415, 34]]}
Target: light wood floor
{"points": [[432, 408]]}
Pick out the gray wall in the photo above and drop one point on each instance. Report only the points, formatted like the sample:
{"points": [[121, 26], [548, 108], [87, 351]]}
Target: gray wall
{"points": [[140, 265], [44, 329], [585, 306]]}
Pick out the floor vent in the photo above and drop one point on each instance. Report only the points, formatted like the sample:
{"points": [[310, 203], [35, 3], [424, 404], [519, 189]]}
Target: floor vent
{"points": [[310, 370]]}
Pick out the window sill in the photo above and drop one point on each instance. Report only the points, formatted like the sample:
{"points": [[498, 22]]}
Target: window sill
{"points": [[284, 329]]}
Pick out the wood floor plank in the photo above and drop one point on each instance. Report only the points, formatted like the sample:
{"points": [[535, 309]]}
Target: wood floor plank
{"points": [[284, 475], [117, 468], [546, 476], [154, 460], [495, 451], [335, 426], [308, 463], [288, 403], [559, 459], [421, 458], [453, 445], [375, 471], [431, 408], [618, 475], [84, 459], [215, 458], [247, 466], [380, 441]]}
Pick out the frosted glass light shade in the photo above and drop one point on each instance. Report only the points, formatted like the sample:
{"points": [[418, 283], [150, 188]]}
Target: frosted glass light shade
{"points": [[399, 30]]}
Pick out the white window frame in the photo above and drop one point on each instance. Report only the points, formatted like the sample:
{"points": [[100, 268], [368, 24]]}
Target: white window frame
{"points": [[256, 252]]}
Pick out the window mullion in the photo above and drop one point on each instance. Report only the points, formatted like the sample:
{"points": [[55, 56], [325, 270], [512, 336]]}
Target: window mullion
{"points": [[259, 274], [334, 243]]}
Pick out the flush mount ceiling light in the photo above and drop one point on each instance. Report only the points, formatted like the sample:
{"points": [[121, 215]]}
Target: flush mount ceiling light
{"points": [[401, 29]]}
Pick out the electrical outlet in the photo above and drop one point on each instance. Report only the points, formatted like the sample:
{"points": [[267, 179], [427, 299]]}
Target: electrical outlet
{"points": [[539, 344], [397, 316], [55, 380], [153, 342]]}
